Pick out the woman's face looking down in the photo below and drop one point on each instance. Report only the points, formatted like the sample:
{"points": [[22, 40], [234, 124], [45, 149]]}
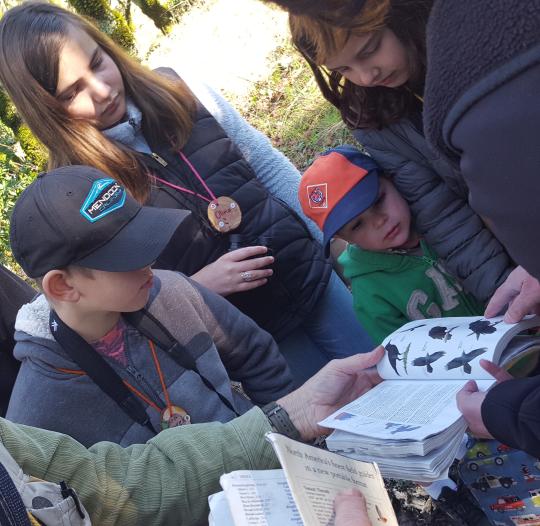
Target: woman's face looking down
{"points": [[372, 59], [90, 85]]}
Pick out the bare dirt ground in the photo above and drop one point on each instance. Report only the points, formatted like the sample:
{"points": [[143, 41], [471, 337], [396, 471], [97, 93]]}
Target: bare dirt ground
{"points": [[226, 43]]}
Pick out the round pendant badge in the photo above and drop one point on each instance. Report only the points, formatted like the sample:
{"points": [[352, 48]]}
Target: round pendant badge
{"points": [[224, 214], [175, 417]]}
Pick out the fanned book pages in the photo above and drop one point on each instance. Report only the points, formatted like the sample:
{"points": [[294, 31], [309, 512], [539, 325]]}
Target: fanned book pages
{"points": [[410, 424], [302, 493]]}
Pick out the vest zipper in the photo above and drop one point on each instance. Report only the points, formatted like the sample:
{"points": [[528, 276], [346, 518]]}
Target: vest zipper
{"points": [[159, 159], [185, 203]]}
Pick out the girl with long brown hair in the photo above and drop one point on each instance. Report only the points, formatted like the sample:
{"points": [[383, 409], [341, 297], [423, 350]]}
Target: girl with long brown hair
{"points": [[182, 146], [372, 67]]}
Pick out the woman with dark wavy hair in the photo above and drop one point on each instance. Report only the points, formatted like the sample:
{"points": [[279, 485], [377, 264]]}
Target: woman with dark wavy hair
{"points": [[371, 66]]}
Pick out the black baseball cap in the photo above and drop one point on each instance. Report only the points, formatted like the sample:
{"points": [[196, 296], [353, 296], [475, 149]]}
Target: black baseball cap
{"points": [[77, 215]]}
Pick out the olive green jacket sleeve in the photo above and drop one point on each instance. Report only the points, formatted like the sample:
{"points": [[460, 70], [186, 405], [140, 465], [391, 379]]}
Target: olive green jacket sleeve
{"points": [[165, 481]]}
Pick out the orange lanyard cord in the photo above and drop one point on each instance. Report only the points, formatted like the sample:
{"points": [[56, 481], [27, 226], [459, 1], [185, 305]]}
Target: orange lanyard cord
{"points": [[138, 393], [134, 390], [160, 374]]}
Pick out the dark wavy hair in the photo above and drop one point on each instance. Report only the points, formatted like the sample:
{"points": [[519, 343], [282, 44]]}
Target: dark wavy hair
{"points": [[361, 107], [337, 12]]}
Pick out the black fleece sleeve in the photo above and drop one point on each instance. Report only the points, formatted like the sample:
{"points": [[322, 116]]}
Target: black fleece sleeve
{"points": [[14, 293], [497, 137], [511, 413]]}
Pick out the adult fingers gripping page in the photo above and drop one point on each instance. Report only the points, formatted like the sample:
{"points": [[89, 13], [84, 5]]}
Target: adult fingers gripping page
{"points": [[316, 476]]}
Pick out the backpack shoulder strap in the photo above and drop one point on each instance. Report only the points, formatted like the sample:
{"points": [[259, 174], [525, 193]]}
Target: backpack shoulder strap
{"points": [[154, 330], [95, 366]]}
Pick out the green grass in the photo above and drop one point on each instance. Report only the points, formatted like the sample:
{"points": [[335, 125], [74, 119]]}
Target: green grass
{"points": [[16, 173], [289, 108]]}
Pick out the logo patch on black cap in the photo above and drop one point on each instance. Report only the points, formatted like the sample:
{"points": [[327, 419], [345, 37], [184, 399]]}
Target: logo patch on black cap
{"points": [[105, 196]]}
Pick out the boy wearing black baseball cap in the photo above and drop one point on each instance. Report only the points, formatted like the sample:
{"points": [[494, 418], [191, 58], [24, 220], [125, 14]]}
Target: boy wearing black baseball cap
{"points": [[395, 277], [112, 350]]}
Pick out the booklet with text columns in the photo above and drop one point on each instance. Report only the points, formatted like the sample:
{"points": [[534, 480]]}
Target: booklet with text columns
{"points": [[409, 424], [300, 494]]}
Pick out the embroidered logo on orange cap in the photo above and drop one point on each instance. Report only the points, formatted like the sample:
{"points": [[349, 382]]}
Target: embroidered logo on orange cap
{"points": [[317, 195], [339, 185]]}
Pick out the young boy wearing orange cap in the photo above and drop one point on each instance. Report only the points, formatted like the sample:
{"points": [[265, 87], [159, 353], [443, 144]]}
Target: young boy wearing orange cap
{"points": [[395, 276]]}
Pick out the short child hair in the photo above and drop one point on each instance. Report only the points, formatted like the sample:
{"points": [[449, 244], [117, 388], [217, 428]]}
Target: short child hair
{"points": [[85, 271]]}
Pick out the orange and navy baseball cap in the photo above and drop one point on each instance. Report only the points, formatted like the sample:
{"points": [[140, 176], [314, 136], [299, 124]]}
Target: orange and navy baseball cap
{"points": [[341, 183]]}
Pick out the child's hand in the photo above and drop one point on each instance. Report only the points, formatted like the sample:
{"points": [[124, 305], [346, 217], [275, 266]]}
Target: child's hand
{"points": [[469, 399], [469, 402], [500, 374], [235, 272]]}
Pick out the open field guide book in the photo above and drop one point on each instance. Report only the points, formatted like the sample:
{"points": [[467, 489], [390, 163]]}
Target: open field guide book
{"points": [[302, 493], [410, 424]]}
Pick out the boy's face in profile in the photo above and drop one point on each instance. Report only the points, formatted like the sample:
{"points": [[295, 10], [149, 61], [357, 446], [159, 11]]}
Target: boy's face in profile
{"points": [[384, 225], [103, 291]]}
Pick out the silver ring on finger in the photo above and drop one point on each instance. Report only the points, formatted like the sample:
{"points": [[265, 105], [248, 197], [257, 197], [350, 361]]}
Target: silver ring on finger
{"points": [[246, 276]]}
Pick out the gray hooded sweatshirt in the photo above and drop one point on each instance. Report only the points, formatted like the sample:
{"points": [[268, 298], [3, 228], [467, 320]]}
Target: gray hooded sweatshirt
{"points": [[226, 344]]}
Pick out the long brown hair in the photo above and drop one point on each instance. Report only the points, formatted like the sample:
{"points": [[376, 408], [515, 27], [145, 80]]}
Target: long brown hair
{"points": [[31, 39], [334, 12], [360, 107]]}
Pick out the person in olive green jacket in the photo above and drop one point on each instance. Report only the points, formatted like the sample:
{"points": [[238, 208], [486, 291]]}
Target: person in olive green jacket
{"points": [[168, 479], [395, 276]]}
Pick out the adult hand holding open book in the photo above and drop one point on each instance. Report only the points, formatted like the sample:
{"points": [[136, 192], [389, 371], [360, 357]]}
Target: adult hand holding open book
{"points": [[410, 423], [470, 398], [339, 383], [520, 293]]}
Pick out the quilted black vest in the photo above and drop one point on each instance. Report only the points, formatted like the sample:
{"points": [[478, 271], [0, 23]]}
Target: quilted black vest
{"points": [[301, 271]]}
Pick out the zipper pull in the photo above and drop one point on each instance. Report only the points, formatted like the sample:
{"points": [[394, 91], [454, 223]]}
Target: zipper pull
{"points": [[425, 258], [159, 159], [136, 374], [429, 261]]}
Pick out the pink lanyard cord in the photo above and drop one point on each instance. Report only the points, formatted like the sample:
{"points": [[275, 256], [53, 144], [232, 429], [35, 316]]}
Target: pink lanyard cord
{"points": [[193, 169], [181, 189], [187, 190]]}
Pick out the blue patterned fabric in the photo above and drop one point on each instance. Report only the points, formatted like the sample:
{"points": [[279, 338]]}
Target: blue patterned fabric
{"points": [[12, 509], [504, 481]]}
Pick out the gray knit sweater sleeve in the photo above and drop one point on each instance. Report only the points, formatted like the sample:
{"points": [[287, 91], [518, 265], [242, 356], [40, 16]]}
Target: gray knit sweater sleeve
{"points": [[271, 167]]}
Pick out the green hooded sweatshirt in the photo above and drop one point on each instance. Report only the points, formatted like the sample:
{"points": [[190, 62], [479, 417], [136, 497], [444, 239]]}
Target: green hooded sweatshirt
{"points": [[391, 289]]}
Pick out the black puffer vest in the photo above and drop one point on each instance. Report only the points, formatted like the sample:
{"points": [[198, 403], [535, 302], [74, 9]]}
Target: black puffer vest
{"points": [[301, 271]]}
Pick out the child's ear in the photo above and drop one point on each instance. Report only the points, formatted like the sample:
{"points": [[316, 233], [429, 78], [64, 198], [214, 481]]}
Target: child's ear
{"points": [[58, 286]]}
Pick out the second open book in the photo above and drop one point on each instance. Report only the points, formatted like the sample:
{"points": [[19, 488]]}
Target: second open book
{"points": [[409, 424]]}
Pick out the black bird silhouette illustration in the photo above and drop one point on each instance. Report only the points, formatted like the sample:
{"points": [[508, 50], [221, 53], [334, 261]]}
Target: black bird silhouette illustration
{"points": [[441, 333], [427, 360], [465, 359], [399, 428], [393, 355], [480, 327], [413, 328]]}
